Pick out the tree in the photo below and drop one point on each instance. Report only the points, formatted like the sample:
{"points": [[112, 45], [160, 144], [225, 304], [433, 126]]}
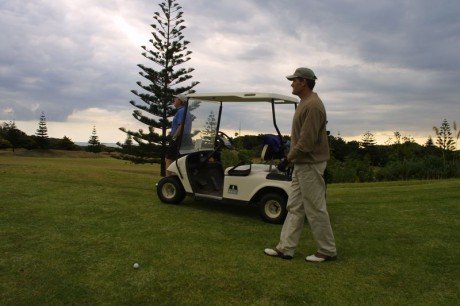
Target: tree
{"points": [[368, 140], [129, 141], [42, 133], [169, 50], [429, 142], [397, 137], [338, 147], [4, 144], [129, 149], [93, 143], [66, 144], [209, 132], [444, 136], [456, 133], [407, 139], [16, 137]]}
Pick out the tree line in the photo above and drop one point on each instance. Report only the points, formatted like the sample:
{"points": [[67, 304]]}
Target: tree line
{"points": [[400, 158], [13, 138]]}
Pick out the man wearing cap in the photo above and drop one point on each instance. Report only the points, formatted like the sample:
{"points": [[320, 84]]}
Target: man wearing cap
{"points": [[309, 153], [172, 153]]}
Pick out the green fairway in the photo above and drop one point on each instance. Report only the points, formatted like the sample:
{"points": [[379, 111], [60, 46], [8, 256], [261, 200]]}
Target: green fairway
{"points": [[72, 228]]}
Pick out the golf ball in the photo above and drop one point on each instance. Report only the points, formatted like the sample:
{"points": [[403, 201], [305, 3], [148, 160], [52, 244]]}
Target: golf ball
{"points": [[136, 265]]}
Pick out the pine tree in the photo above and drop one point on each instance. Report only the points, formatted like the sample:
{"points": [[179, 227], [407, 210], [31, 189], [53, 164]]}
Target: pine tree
{"points": [[444, 139], [368, 140], [429, 142], [444, 136], [93, 143], [42, 133], [209, 132], [397, 137], [128, 145], [129, 141], [169, 50]]}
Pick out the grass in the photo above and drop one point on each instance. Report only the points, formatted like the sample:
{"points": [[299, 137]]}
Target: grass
{"points": [[72, 228]]}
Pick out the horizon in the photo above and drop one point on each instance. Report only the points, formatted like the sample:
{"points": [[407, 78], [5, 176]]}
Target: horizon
{"points": [[381, 138]]}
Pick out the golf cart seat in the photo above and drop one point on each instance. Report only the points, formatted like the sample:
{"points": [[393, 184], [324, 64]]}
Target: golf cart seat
{"points": [[240, 172]]}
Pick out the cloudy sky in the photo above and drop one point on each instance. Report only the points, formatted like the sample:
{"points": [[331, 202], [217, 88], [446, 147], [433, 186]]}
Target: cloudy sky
{"points": [[382, 66]]}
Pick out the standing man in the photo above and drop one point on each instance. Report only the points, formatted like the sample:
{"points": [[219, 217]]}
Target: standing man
{"points": [[309, 153], [172, 152]]}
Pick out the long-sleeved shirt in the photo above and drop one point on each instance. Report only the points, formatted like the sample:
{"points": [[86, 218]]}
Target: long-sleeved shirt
{"points": [[309, 143]]}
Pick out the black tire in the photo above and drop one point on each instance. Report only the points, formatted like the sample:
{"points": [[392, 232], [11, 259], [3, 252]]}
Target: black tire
{"points": [[170, 190], [272, 207]]}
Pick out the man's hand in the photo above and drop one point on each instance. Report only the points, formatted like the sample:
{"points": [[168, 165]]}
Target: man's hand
{"points": [[282, 166]]}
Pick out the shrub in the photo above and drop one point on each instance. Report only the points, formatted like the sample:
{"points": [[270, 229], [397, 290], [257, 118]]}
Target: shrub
{"points": [[4, 144], [229, 158], [429, 167], [349, 171], [246, 155]]}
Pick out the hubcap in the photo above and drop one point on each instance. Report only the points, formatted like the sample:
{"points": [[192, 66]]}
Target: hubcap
{"points": [[272, 209], [168, 190]]}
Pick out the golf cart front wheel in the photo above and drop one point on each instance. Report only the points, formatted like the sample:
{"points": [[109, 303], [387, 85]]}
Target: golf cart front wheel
{"points": [[272, 207], [170, 190]]}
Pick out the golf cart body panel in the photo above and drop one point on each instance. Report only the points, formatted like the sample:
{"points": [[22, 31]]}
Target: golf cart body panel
{"points": [[244, 188], [199, 171], [240, 188], [179, 169]]}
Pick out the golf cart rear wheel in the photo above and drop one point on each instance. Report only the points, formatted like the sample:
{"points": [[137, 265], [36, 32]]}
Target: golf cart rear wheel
{"points": [[272, 207], [170, 190]]}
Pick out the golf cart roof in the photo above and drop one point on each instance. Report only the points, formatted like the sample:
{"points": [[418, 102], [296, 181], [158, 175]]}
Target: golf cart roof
{"points": [[244, 97]]}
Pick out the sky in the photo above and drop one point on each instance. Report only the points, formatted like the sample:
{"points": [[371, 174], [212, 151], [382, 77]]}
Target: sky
{"points": [[382, 66]]}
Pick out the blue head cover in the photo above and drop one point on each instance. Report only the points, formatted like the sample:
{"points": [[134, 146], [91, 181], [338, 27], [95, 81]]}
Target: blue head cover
{"points": [[275, 147], [273, 141]]}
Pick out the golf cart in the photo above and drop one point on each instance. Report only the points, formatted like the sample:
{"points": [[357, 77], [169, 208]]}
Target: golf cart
{"points": [[199, 172]]}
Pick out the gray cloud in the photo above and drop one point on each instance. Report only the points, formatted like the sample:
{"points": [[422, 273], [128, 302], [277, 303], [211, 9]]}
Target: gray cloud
{"points": [[390, 65], [59, 61]]}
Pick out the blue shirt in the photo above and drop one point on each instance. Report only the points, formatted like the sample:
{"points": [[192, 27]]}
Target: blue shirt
{"points": [[178, 119]]}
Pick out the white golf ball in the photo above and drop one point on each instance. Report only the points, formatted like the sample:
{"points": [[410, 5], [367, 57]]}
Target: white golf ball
{"points": [[136, 265]]}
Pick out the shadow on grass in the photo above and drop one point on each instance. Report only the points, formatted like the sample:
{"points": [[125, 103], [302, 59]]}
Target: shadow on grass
{"points": [[247, 211]]}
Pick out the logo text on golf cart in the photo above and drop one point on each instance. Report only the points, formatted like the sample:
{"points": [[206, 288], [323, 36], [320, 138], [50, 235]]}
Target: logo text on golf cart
{"points": [[233, 189]]}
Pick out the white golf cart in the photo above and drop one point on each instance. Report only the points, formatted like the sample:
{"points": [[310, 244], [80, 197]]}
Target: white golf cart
{"points": [[199, 172]]}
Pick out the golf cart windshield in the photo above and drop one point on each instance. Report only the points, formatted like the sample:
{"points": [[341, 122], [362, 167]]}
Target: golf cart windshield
{"points": [[200, 126], [202, 119]]}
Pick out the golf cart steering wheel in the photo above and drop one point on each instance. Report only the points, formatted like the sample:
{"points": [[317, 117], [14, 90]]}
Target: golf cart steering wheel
{"points": [[223, 140]]}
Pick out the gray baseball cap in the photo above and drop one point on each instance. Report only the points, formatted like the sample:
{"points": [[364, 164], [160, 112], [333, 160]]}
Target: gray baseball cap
{"points": [[304, 73], [181, 97]]}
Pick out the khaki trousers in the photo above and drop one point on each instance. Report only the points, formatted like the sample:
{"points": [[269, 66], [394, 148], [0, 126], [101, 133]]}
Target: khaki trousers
{"points": [[308, 198]]}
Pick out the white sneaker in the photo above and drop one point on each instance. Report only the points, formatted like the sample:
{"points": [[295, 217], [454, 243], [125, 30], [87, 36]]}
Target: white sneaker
{"points": [[270, 252], [318, 257], [276, 253]]}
